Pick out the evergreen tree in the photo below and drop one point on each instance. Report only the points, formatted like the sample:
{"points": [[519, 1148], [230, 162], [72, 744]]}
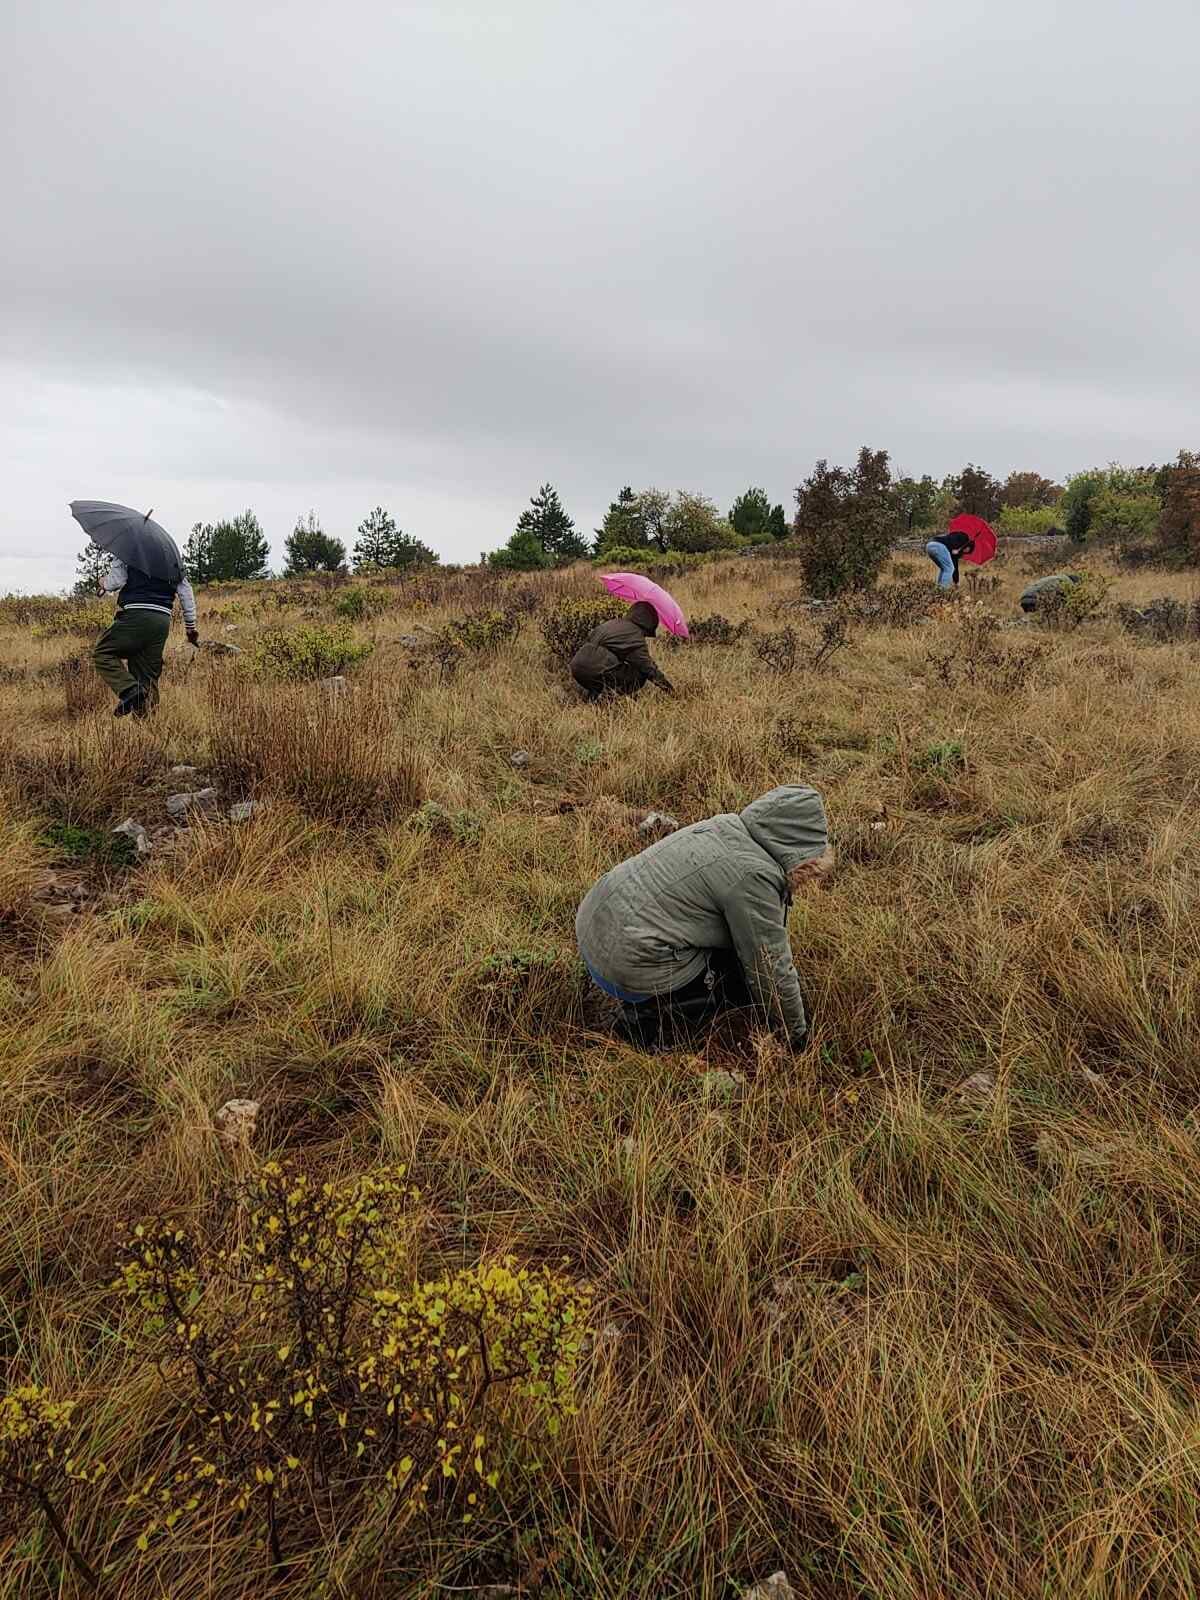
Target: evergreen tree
{"points": [[382, 544], [91, 568], [623, 527], [522, 553], [310, 549], [753, 517], [553, 529], [224, 551]]}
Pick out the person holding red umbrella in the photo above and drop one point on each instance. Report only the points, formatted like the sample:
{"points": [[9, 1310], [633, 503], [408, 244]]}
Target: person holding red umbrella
{"points": [[967, 538]]}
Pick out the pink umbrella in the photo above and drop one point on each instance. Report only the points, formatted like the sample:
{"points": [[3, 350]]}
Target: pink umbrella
{"points": [[632, 586]]}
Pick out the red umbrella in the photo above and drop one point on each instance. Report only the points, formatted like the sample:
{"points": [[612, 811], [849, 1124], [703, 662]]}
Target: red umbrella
{"points": [[976, 528]]}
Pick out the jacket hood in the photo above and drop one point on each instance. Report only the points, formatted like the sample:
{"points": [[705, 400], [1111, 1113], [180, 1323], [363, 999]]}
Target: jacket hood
{"points": [[789, 823], [643, 615]]}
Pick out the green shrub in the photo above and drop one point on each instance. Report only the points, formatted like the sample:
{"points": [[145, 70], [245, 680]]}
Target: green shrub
{"points": [[357, 603], [477, 633], [567, 625], [1127, 516], [318, 650], [716, 630], [80, 619], [845, 524], [1069, 605], [1029, 519]]}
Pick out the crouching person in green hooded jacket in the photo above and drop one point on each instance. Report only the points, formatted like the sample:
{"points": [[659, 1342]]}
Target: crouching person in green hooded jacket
{"points": [[698, 922]]}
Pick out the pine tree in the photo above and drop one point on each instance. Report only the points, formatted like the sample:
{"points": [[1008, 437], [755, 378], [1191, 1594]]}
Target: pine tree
{"points": [[553, 529], [223, 552], [751, 515], [91, 568], [310, 549], [382, 544], [623, 527]]}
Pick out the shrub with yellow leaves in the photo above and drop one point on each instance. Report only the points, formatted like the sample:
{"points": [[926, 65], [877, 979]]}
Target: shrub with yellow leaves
{"points": [[39, 1462], [312, 1375]]}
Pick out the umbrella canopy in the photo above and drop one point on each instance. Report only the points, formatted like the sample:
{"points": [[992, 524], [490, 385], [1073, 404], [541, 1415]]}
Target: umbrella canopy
{"points": [[131, 537], [976, 528], [632, 586]]}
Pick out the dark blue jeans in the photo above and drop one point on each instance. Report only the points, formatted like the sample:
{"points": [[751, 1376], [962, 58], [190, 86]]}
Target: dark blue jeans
{"points": [[720, 987]]}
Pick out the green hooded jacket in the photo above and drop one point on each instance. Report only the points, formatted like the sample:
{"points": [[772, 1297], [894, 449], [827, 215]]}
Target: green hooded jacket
{"points": [[646, 926]]}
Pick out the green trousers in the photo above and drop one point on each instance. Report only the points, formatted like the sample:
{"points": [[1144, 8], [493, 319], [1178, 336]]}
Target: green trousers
{"points": [[130, 654]]}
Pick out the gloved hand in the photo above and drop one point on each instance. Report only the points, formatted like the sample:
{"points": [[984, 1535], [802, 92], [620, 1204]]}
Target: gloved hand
{"points": [[193, 636]]}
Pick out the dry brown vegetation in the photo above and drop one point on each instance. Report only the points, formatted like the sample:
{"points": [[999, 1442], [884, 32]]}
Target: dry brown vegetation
{"points": [[912, 1314]]}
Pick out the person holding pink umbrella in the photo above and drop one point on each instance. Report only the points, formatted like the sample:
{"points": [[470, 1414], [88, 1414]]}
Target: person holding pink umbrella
{"points": [[615, 658]]}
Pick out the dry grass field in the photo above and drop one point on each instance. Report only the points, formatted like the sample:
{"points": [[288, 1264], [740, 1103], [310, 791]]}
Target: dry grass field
{"points": [[912, 1314]]}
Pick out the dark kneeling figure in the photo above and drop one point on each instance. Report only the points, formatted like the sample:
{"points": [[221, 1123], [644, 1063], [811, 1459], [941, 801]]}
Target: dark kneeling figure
{"points": [[615, 658]]}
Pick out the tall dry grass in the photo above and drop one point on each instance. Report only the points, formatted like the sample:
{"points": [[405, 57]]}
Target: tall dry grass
{"points": [[911, 1314]]}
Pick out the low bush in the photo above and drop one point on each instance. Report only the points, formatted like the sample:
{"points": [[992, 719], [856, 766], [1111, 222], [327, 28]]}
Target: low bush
{"points": [[480, 633], [567, 625], [976, 656], [303, 654], [716, 630], [897, 605], [356, 603], [1068, 606], [788, 648], [78, 619], [1029, 520], [1163, 621], [101, 846], [319, 1366]]}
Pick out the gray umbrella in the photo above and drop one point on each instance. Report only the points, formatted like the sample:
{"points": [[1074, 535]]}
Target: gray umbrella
{"points": [[131, 537]]}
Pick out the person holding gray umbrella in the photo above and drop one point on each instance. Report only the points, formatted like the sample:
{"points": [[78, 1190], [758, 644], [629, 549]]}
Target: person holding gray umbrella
{"points": [[146, 574]]}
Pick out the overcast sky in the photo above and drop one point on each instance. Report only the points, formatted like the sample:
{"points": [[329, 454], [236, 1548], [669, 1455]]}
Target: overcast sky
{"points": [[305, 254]]}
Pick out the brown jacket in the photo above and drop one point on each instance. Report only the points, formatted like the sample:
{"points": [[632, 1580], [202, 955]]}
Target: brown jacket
{"points": [[621, 642]]}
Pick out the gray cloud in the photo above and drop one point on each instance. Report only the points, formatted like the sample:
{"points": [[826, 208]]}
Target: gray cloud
{"points": [[296, 254]]}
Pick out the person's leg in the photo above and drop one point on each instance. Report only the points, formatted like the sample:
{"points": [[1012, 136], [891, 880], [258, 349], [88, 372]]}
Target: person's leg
{"points": [[591, 684], [146, 661], [622, 680], [943, 561], [111, 651]]}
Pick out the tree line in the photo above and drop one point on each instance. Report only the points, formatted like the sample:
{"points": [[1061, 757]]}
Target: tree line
{"points": [[1140, 508]]}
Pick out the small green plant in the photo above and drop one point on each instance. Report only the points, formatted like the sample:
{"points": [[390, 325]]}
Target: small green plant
{"points": [[588, 752], [317, 650], [944, 758], [464, 827], [97, 845], [39, 1464], [567, 625]]}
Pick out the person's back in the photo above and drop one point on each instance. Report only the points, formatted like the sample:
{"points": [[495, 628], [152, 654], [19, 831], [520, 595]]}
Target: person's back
{"points": [[648, 928], [615, 657], [1041, 588]]}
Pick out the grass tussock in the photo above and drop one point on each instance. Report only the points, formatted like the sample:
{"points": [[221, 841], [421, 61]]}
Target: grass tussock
{"points": [[909, 1315]]}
